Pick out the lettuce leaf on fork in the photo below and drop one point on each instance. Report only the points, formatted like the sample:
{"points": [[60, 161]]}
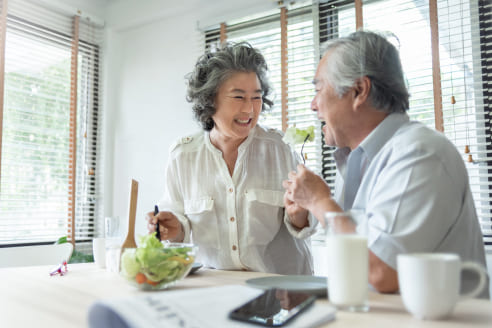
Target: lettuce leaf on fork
{"points": [[295, 136]]}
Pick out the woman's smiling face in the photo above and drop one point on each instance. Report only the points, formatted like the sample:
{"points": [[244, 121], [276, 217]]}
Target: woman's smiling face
{"points": [[238, 105]]}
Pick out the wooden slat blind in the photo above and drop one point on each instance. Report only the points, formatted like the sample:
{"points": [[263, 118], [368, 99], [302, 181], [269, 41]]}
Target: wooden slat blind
{"points": [[283, 65], [436, 65], [445, 48], [51, 168], [359, 18], [336, 19], [72, 162], [286, 39], [264, 34], [223, 32], [465, 40]]}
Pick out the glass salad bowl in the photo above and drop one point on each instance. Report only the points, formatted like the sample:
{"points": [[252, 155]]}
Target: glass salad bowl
{"points": [[156, 265]]}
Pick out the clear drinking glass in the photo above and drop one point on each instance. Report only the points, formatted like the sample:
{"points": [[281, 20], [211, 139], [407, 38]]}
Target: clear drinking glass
{"points": [[348, 264], [99, 251], [113, 243]]}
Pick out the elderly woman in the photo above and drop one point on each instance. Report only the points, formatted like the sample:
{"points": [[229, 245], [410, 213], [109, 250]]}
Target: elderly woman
{"points": [[224, 184]]}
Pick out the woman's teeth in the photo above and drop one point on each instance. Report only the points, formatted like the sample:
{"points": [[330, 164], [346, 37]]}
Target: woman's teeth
{"points": [[243, 121]]}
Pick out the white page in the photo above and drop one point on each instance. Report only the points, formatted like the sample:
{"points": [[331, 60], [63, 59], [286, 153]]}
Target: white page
{"points": [[193, 308]]}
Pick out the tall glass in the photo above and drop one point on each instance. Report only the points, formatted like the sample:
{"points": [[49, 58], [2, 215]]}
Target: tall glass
{"points": [[113, 243], [348, 264]]}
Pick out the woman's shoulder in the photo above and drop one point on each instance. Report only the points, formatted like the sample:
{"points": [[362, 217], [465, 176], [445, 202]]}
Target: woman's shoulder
{"points": [[267, 133], [187, 143], [270, 140]]}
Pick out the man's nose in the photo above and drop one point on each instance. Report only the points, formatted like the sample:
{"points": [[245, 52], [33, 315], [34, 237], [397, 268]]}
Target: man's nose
{"points": [[314, 106]]}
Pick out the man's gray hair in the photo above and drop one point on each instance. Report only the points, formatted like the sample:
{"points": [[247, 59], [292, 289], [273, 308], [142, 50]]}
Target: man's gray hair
{"points": [[368, 54], [214, 68]]}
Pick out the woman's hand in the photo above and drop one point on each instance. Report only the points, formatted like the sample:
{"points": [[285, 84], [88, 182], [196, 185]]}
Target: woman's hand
{"points": [[304, 186], [169, 226], [298, 216], [307, 190]]}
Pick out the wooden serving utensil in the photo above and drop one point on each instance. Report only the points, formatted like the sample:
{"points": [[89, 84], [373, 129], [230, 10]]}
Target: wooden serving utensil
{"points": [[130, 237]]}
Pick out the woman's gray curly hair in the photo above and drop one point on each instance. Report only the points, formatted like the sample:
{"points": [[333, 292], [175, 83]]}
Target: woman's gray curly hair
{"points": [[213, 68]]}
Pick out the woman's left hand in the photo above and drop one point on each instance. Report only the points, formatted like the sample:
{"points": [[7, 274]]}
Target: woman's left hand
{"points": [[298, 215], [307, 191]]}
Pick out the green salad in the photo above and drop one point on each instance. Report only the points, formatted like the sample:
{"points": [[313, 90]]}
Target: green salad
{"points": [[154, 266], [295, 136]]}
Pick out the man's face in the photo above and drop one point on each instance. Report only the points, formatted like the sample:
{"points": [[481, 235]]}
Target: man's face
{"points": [[333, 110]]}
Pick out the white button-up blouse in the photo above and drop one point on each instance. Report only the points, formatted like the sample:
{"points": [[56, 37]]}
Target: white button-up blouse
{"points": [[238, 222]]}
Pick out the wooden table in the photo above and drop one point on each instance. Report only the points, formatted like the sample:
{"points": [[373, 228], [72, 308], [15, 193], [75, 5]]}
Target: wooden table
{"points": [[29, 297]]}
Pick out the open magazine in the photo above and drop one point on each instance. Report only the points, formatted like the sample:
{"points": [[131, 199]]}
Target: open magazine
{"points": [[192, 308]]}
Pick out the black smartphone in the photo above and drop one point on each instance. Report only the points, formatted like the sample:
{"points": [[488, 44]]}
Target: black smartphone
{"points": [[273, 308]]}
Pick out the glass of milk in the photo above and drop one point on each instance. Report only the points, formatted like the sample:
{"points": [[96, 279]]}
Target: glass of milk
{"points": [[348, 264]]}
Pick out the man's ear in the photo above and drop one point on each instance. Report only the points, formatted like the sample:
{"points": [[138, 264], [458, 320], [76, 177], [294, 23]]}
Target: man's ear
{"points": [[362, 87]]}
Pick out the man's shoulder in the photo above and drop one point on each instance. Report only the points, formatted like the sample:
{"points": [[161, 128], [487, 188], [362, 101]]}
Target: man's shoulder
{"points": [[417, 133], [418, 139]]}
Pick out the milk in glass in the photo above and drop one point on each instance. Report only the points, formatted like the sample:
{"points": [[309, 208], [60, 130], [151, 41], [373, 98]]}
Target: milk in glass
{"points": [[348, 266]]}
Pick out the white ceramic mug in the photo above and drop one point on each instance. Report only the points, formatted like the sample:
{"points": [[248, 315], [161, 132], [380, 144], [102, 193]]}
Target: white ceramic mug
{"points": [[99, 251], [430, 283], [347, 266]]}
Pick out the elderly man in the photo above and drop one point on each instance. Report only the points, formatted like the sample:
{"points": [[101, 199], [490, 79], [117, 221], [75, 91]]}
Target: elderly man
{"points": [[405, 180]]}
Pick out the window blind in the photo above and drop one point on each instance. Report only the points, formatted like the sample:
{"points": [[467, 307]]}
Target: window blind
{"points": [[465, 121], [336, 19], [464, 39], [408, 20], [302, 61], [90, 156], [264, 33], [35, 194], [464, 45], [464, 79], [484, 36]]}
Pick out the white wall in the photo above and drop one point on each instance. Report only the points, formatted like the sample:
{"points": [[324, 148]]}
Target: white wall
{"points": [[146, 110], [151, 46], [489, 270]]}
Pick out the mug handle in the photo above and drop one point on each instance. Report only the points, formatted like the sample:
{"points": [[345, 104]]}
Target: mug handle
{"points": [[480, 270]]}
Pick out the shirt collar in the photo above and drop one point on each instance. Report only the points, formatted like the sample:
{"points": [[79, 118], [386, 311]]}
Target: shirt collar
{"points": [[382, 133], [375, 140], [248, 140], [244, 145]]}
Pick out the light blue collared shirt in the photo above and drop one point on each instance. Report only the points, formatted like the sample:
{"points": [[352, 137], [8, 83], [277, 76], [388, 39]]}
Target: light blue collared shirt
{"points": [[414, 193]]}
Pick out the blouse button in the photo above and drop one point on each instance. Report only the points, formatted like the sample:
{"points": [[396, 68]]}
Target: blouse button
{"points": [[232, 219], [234, 247], [187, 140], [231, 190]]}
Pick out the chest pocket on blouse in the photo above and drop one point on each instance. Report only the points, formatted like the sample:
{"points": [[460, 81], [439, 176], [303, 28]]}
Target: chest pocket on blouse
{"points": [[203, 221], [265, 211]]}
